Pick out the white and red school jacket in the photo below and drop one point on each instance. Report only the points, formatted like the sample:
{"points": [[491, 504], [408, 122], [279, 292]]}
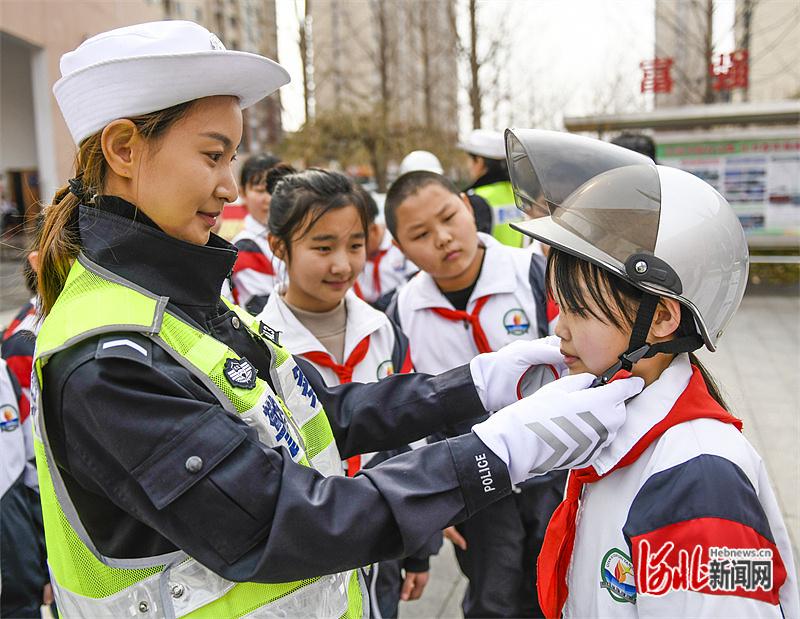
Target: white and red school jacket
{"points": [[17, 349], [508, 303], [14, 451], [257, 270], [690, 529], [386, 271], [373, 346]]}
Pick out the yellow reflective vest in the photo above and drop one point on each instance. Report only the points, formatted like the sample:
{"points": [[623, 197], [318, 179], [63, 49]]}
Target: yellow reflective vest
{"points": [[89, 584]]}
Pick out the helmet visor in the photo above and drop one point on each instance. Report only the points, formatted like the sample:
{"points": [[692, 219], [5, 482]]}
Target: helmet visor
{"points": [[595, 199]]}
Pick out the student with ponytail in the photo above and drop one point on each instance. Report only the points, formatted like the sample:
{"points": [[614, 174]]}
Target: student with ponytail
{"points": [[189, 465], [318, 226]]}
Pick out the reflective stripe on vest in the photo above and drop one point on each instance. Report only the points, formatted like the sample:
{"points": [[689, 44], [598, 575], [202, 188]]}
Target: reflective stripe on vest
{"points": [[88, 584], [500, 197]]}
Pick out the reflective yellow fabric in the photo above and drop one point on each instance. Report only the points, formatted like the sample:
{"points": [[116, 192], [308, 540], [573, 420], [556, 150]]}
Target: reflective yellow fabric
{"points": [[71, 562], [500, 197], [79, 309], [91, 304]]}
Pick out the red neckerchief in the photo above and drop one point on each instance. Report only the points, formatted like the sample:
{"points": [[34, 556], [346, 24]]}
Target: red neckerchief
{"points": [[694, 403], [472, 318], [345, 373]]}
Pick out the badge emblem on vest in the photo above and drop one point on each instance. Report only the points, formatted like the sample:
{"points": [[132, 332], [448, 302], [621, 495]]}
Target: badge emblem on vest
{"points": [[240, 373], [9, 418], [516, 322], [385, 369], [616, 576], [268, 332]]}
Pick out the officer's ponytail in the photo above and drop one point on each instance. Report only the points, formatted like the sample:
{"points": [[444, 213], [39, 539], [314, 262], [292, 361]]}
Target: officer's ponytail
{"points": [[58, 242]]}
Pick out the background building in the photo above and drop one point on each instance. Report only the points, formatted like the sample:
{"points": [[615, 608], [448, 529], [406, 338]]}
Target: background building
{"points": [[683, 34], [770, 31], [687, 32], [744, 138], [36, 150], [248, 26], [395, 53]]}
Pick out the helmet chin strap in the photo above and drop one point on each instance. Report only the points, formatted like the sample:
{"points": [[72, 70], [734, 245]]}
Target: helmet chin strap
{"points": [[638, 348]]}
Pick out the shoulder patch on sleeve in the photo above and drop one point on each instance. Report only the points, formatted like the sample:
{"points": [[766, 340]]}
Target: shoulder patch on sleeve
{"points": [[121, 346], [22, 343], [699, 526], [247, 245], [706, 486]]}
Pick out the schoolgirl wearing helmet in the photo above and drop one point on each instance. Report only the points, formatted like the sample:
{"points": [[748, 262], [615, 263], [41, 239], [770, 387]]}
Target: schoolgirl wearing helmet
{"points": [[648, 264], [189, 465]]}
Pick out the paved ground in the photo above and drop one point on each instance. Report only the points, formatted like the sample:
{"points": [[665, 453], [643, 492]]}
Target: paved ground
{"points": [[757, 366]]}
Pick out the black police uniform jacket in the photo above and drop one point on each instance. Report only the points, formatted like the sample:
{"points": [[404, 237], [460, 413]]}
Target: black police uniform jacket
{"points": [[255, 515]]}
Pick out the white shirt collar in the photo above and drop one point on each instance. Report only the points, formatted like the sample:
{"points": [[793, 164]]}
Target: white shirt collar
{"points": [[386, 241], [646, 410], [497, 276], [254, 227], [362, 320]]}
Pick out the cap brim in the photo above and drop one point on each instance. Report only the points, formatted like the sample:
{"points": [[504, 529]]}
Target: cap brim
{"points": [[94, 96], [547, 231], [480, 152]]}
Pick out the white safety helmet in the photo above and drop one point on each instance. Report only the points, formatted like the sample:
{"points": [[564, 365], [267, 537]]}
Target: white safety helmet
{"points": [[661, 229], [485, 143], [420, 161]]}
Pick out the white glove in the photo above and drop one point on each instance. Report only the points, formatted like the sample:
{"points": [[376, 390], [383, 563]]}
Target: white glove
{"points": [[497, 374], [563, 425]]}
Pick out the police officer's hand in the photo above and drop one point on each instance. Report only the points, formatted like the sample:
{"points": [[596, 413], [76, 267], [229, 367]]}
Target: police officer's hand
{"points": [[563, 425], [497, 375], [413, 585]]}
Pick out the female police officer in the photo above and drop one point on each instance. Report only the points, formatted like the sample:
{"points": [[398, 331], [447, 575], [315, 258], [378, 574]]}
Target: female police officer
{"points": [[188, 464]]}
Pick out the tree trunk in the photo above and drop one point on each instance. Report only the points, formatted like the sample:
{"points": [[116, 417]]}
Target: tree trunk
{"points": [[427, 77], [747, 20], [708, 94], [305, 58], [474, 66], [385, 56]]}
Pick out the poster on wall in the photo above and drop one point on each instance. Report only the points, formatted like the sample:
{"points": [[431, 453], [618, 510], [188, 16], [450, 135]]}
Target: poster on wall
{"points": [[759, 177]]}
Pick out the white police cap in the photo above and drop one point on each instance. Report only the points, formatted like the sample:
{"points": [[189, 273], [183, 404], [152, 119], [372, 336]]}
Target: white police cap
{"points": [[420, 160], [152, 66], [485, 143]]}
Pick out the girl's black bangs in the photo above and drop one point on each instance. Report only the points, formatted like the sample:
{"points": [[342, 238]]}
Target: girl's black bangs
{"points": [[603, 295]]}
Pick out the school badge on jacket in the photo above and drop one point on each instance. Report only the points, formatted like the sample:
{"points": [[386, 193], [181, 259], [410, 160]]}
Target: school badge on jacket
{"points": [[9, 418], [516, 322], [616, 576]]}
